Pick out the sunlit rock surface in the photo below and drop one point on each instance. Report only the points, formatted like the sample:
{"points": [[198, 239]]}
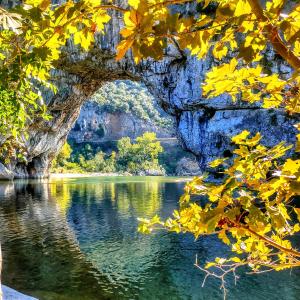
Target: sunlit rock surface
{"points": [[203, 126], [96, 125]]}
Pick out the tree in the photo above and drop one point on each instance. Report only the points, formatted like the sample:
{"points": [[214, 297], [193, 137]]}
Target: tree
{"points": [[61, 161], [100, 163], [111, 162], [63, 156], [95, 164], [130, 97], [32, 35], [139, 156]]}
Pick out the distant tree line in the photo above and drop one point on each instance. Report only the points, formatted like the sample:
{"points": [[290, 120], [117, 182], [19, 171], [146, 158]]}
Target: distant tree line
{"points": [[138, 157]]}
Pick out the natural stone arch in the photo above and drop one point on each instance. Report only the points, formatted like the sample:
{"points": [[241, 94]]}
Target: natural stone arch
{"points": [[203, 126]]}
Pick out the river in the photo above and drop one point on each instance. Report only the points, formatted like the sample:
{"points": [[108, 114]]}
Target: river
{"points": [[77, 239]]}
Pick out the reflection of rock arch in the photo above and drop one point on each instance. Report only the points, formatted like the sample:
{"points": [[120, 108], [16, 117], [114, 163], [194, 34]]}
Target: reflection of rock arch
{"points": [[175, 82], [31, 211]]}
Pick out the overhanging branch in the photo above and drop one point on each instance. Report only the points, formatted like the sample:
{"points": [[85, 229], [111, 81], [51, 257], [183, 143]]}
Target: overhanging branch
{"points": [[274, 37]]}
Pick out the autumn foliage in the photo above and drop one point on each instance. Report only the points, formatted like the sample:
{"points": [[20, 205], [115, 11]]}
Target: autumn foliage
{"points": [[254, 209]]}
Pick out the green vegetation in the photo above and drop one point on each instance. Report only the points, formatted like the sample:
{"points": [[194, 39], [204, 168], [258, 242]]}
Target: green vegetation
{"points": [[63, 162], [140, 157], [63, 156], [99, 163], [168, 159], [130, 97]]}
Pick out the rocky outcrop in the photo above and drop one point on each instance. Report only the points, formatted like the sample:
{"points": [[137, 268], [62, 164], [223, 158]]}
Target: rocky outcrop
{"points": [[188, 167], [207, 134], [204, 127], [5, 173]]}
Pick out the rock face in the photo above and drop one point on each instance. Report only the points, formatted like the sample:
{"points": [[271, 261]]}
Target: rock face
{"points": [[97, 125], [203, 126], [208, 135], [188, 167]]}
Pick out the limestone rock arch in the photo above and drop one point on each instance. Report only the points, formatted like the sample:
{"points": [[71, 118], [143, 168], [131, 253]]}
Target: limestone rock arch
{"points": [[204, 126]]}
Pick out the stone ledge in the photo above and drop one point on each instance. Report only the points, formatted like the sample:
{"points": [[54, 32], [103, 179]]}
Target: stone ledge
{"points": [[11, 294]]}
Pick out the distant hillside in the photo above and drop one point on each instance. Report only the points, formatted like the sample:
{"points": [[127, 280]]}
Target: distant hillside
{"points": [[131, 97], [118, 109]]}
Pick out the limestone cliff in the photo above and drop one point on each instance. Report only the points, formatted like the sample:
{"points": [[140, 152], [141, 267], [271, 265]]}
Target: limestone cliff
{"points": [[120, 109], [204, 127], [97, 126]]}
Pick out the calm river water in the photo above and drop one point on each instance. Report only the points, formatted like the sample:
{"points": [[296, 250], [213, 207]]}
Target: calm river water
{"points": [[77, 239]]}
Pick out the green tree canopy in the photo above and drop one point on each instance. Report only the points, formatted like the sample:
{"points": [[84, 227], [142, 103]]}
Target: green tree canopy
{"points": [[141, 155], [63, 156]]}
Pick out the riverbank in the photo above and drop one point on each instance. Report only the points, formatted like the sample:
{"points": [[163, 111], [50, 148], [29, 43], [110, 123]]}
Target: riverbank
{"points": [[78, 175], [114, 174], [91, 175]]}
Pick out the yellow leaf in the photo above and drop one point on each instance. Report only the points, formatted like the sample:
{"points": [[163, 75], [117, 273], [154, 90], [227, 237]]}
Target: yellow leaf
{"points": [[222, 236], [220, 260], [217, 162], [240, 138], [275, 5], [132, 19], [134, 3], [297, 210], [220, 51], [298, 143], [209, 265], [206, 3], [235, 259], [291, 166], [242, 8], [123, 47]]}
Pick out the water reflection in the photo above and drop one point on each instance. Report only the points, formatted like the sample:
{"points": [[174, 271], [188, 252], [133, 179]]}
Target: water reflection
{"points": [[41, 255], [143, 198], [72, 239]]}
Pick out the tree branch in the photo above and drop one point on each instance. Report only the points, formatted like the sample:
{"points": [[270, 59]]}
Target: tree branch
{"points": [[274, 37], [272, 243]]}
